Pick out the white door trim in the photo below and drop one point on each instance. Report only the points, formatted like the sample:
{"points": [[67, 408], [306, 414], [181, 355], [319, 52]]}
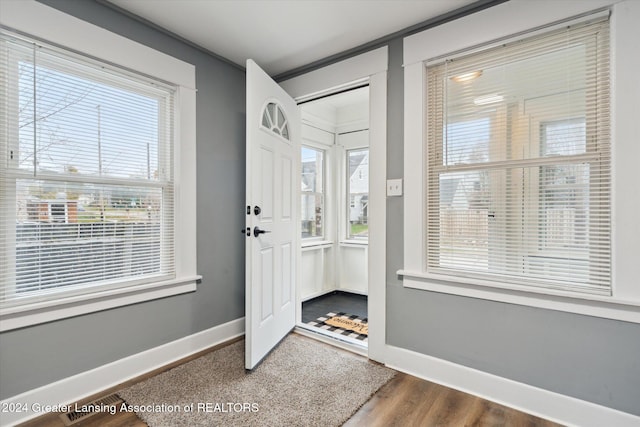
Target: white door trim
{"points": [[377, 215], [336, 76], [368, 67]]}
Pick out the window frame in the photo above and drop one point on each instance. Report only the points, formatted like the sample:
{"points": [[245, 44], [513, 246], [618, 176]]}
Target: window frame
{"points": [[511, 205], [323, 194], [65, 63], [356, 139], [348, 236], [492, 27], [82, 37]]}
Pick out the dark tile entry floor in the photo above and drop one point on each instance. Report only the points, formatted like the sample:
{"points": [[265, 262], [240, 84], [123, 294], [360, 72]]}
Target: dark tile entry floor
{"points": [[335, 302]]}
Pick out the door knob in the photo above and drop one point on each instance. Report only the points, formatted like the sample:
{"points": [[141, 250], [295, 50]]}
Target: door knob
{"points": [[257, 231]]}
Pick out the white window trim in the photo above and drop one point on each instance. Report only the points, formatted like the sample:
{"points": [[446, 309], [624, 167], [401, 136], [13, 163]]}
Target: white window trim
{"points": [[43, 22], [343, 149], [346, 237], [498, 22], [321, 139], [325, 150]]}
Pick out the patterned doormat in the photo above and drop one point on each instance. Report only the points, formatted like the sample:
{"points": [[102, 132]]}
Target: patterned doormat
{"points": [[346, 325]]}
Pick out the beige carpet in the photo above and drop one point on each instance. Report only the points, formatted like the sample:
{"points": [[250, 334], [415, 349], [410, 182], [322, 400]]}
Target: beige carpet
{"points": [[303, 382]]}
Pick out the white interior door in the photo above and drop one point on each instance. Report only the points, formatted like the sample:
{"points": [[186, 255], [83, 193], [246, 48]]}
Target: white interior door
{"points": [[273, 135]]}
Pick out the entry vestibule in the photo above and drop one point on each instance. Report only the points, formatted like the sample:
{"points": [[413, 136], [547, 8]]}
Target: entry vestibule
{"points": [[334, 213]]}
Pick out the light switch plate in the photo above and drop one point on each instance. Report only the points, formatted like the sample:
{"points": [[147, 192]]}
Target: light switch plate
{"points": [[394, 187]]}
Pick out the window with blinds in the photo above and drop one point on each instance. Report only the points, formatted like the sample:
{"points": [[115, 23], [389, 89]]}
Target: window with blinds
{"points": [[86, 175], [518, 161]]}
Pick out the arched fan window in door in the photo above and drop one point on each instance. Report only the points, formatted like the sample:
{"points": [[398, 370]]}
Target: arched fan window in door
{"points": [[273, 119]]}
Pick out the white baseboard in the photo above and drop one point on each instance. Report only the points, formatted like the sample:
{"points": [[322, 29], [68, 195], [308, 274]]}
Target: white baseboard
{"points": [[77, 387], [533, 400], [328, 291], [353, 291], [317, 294]]}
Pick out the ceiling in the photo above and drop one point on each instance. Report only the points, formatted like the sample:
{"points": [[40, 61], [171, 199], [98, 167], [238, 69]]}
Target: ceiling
{"points": [[282, 35]]}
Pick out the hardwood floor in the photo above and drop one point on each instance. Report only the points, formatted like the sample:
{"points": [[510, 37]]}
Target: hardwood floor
{"points": [[404, 401], [409, 401]]}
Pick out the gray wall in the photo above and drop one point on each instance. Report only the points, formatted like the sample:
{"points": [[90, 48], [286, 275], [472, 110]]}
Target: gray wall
{"points": [[34, 356], [593, 359]]}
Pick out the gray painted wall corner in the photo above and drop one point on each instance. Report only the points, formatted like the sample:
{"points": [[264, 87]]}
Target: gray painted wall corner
{"points": [[395, 159]]}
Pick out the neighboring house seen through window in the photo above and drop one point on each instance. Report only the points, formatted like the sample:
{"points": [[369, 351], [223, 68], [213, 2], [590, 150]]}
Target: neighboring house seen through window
{"points": [[313, 192], [358, 193]]}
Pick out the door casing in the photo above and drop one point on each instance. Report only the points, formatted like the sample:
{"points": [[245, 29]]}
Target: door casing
{"points": [[369, 67]]}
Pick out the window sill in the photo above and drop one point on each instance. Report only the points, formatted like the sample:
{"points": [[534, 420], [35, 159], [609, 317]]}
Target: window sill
{"points": [[316, 244], [355, 243], [33, 314], [571, 302]]}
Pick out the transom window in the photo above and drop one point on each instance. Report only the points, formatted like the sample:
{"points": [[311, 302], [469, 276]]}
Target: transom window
{"points": [[518, 162]]}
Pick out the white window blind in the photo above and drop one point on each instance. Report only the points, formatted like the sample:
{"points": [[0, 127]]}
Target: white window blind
{"points": [[86, 175], [518, 161]]}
